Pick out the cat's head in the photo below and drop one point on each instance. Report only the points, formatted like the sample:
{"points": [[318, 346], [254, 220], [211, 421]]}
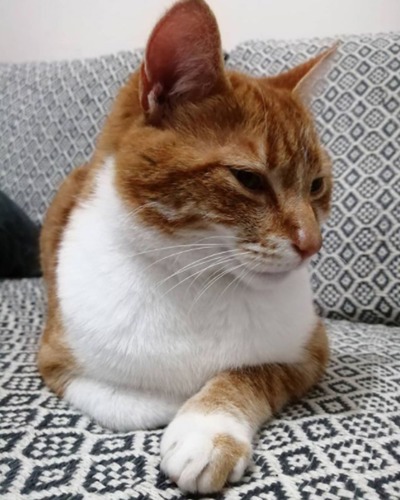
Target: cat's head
{"points": [[211, 153]]}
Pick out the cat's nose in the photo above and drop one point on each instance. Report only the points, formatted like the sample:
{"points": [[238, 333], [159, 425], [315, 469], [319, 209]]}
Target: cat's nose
{"points": [[306, 244]]}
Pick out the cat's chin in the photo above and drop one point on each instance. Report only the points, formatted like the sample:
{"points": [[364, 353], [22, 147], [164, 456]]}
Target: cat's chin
{"points": [[265, 279], [262, 280]]}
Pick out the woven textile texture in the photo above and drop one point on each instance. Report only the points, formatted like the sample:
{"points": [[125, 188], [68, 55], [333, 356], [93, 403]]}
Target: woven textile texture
{"points": [[50, 116], [357, 274], [342, 441]]}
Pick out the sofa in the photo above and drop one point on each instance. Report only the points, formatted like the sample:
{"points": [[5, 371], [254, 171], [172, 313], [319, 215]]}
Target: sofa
{"points": [[342, 441]]}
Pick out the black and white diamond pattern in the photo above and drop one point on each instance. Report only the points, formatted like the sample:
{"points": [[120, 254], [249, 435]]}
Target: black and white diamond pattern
{"points": [[342, 441], [50, 116], [358, 116]]}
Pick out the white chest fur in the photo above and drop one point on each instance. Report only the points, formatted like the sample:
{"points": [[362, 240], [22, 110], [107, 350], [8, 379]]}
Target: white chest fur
{"points": [[130, 326]]}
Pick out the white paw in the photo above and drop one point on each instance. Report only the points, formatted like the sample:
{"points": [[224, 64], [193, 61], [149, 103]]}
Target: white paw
{"points": [[200, 453]]}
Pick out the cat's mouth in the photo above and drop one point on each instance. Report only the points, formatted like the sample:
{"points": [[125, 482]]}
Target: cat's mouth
{"points": [[270, 276], [266, 274], [260, 280], [270, 267], [263, 274]]}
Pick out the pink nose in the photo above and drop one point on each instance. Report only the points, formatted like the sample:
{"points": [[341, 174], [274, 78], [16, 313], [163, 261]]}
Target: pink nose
{"points": [[305, 244]]}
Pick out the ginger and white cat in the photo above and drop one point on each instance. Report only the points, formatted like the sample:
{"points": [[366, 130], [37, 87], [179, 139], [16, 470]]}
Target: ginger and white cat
{"points": [[175, 260]]}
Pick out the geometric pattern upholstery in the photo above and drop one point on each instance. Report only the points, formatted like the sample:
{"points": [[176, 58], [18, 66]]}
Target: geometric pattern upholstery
{"points": [[342, 441], [357, 109], [50, 116]]}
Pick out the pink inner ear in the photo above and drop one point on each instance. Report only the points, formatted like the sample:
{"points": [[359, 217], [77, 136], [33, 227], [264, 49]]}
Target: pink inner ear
{"points": [[183, 55]]}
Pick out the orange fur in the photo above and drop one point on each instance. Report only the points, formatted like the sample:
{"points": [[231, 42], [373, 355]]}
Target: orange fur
{"points": [[176, 147], [56, 362], [230, 451], [254, 394]]}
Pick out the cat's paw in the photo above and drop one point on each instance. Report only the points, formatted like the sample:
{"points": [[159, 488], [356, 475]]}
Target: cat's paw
{"points": [[201, 453]]}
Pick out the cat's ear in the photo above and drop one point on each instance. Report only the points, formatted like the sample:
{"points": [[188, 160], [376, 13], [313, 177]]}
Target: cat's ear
{"points": [[302, 78], [183, 58]]}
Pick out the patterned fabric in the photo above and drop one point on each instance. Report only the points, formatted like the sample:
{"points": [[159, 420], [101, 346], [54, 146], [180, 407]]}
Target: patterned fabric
{"points": [[50, 116], [341, 442], [357, 274]]}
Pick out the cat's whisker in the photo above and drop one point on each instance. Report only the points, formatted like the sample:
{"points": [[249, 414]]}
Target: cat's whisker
{"points": [[218, 277], [176, 254], [218, 236], [238, 279], [218, 271], [131, 213], [221, 261], [212, 275], [225, 261], [197, 242], [214, 280], [194, 246], [197, 262]]}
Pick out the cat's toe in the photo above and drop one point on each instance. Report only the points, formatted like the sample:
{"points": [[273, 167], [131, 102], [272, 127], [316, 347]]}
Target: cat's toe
{"points": [[185, 464], [201, 455], [239, 469]]}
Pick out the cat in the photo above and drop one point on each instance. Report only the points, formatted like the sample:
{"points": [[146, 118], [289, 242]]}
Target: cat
{"points": [[176, 259]]}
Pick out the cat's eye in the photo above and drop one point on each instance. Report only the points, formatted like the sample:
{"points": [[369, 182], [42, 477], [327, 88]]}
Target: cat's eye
{"points": [[249, 180], [317, 186]]}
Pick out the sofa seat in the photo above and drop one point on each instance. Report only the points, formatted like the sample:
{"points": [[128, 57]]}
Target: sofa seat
{"points": [[341, 441]]}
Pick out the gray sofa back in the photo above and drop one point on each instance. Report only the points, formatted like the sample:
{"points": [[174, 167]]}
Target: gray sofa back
{"points": [[50, 115]]}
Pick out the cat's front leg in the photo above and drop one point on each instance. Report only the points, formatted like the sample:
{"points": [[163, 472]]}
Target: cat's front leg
{"points": [[209, 441]]}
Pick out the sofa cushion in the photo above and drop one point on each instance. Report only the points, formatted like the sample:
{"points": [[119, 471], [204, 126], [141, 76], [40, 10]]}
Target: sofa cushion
{"points": [[341, 441], [50, 116], [357, 109], [19, 242]]}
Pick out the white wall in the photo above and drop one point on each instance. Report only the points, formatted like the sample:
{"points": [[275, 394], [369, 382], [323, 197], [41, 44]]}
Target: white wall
{"points": [[64, 29]]}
